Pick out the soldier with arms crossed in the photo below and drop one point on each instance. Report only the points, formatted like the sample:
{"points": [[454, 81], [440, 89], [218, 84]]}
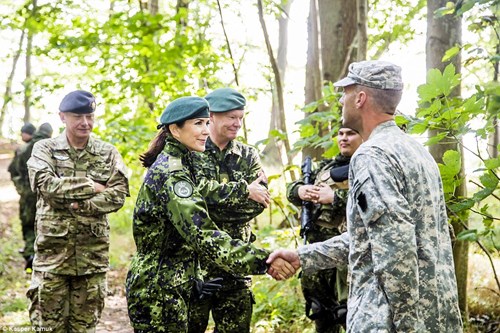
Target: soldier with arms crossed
{"points": [[78, 180]]}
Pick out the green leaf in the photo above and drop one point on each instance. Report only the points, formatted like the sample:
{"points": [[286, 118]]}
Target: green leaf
{"points": [[419, 128], [435, 139], [450, 53], [482, 194], [492, 163], [461, 206], [489, 180], [488, 222], [468, 235], [452, 160], [307, 130]]}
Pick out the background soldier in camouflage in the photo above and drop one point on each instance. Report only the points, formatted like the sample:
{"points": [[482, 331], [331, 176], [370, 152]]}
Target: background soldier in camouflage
{"points": [[78, 180], [172, 229], [28, 197], [27, 131], [397, 245], [228, 174], [326, 291]]}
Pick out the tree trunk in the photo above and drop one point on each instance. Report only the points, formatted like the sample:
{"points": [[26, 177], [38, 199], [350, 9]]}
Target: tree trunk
{"points": [[273, 152], [494, 138], [338, 31], [7, 96], [442, 34], [28, 82], [312, 91]]}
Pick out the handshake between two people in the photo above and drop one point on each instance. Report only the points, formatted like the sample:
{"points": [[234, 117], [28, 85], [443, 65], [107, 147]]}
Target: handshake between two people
{"points": [[283, 264]]}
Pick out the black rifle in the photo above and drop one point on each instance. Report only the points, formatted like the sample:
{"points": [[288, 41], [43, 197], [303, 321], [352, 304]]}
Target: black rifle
{"points": [[307, 206]]}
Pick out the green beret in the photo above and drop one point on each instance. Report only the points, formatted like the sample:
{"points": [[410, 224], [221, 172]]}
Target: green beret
{"points": [[184, 108], [225, 99], [78, 101]]}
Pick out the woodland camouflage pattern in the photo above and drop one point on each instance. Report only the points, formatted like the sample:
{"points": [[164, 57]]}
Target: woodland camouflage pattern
{"points": [[398, 244], [173, 232], [71, 246], [328, 286], [223, 177]]}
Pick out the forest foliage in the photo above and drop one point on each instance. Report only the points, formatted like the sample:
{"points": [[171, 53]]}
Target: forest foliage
{"points": [[137, 60]]}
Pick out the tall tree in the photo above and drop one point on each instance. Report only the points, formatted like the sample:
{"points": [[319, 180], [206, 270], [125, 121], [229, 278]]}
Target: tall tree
{"points": [[279, 143], [28, 82], [339, 34], [443, 33]]}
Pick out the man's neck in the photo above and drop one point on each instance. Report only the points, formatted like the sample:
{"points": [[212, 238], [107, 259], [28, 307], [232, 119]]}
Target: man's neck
{"points": [[77, 143], [372, 122], [220, 142]]}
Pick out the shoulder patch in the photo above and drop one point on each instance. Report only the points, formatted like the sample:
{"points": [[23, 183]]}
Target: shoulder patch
{"points": [[174, 164], [183, 189]]}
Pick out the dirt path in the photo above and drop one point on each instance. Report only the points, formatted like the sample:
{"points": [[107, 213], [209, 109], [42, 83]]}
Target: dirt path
{"points": [[114, 317]]}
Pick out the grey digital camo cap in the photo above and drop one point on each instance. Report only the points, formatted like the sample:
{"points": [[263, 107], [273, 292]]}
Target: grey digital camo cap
{"points": [[374, 74]]}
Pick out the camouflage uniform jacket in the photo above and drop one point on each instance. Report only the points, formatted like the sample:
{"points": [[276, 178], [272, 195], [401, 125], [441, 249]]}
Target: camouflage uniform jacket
{"points": [[222, 178], [75, 242], [172, 227], [397, 244], [325, 217], [23, 156], [13, 169]]}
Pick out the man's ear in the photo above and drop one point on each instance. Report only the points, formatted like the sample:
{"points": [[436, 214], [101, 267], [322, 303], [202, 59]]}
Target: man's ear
{"points": [[360, 99], [62, 116]]}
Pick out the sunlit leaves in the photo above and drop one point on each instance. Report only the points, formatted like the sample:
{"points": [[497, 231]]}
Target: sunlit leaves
{"points": [[439, 84]]}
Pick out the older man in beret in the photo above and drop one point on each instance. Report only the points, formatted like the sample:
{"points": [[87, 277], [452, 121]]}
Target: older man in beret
{"points": [[397, 244], [78, 180], [230, 177]]}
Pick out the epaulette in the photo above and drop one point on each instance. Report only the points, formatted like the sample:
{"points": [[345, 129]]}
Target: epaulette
{"points": [[174, 164]]}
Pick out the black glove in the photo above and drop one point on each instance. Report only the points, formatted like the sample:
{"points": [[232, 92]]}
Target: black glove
{"points": [[208, 288]]}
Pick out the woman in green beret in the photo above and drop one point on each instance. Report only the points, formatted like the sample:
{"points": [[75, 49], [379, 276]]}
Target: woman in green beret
{"points": [[172, 229]]}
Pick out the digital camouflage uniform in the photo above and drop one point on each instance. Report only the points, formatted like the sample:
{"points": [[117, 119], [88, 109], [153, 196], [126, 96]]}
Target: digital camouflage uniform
{"points": [[222, 178], [324, 290], [71, 246], [172, 230], [28, 197], [397, 245]]}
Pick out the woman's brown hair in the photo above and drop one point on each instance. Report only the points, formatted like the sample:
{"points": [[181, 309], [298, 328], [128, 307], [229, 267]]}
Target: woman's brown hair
{"points": [[157, 144]]}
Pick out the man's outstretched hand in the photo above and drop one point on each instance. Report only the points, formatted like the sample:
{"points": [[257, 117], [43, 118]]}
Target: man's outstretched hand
{"points": [[283, 264]]}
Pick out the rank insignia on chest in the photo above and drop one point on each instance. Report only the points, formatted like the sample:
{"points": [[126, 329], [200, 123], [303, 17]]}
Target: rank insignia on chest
{"points": [[183, 189], [224, 178]]}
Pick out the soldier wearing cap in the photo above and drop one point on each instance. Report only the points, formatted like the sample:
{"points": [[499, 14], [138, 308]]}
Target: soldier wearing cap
{"points": [[78, 180], [325, 292], [27, 131], [27, 203], [397, 245], [22, 188], [173, 231], [230, 177]]}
